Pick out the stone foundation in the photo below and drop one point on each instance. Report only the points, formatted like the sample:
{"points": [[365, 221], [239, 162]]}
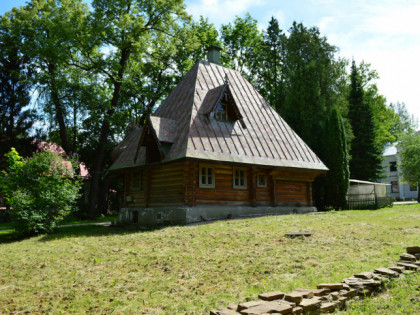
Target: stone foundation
{"points": [[149, 217]]}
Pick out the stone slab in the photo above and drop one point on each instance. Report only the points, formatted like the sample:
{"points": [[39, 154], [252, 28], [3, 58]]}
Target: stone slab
{"points": [[224, 311], [246, 305], [270, 296], [397, 269], [298, 234], [268, 307], [407, 266], [348, 293], [297, 310], [295, 297], [328, 307], [387, 272], [408, 257], [330, 286], [306, 294], [364, 275], [316, 292], [310, 304], [413, 249]]}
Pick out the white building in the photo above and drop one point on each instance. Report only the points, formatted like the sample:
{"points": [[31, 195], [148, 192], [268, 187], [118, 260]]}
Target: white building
{"points": [[398, 189]]}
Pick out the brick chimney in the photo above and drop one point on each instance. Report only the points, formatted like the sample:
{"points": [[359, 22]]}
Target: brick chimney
{"points": [[213, 54]]}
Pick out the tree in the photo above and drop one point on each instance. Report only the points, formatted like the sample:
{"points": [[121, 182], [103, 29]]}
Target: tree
{"points": [[409, 148], [365, 163], [269, 63], [47, 32], [121, 35], [337, 160], [241, 42], [15, 89], [40, 190]]}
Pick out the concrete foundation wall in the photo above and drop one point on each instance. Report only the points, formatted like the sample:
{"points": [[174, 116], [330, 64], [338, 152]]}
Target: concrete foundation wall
{"points": [[149, 217]]}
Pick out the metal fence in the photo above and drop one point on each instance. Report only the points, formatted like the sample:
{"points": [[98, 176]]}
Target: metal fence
{"points": [[369, 203]]}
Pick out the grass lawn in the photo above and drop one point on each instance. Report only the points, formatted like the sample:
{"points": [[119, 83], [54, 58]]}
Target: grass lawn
{"points": [[68, 220], [192, 269]]}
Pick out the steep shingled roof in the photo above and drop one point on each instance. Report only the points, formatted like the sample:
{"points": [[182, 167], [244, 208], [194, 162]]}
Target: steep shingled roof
{"points": [[266, 139]]}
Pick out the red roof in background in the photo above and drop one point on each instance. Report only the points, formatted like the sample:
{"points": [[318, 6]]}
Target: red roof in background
{"points": [[266, 140], [57, 149]]}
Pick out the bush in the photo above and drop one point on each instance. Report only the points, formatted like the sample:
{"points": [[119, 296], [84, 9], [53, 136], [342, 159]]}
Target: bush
{"points": [[40, 190]]}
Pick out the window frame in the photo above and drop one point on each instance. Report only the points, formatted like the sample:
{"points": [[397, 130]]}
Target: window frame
{"points": [[245, 174], [140, 181], [265, 180], [219, 113], [413, 186], [200, 174], [393, 166]]}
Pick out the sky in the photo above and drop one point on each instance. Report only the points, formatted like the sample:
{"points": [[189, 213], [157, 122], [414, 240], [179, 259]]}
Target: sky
{"points": [[384, 33]]}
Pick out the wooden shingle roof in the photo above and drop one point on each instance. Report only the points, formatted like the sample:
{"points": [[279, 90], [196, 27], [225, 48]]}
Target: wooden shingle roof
{"points": [[262, 137]]}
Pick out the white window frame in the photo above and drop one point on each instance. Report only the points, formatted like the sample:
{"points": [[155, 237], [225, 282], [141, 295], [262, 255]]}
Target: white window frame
{"points": [[265, 180], [242, 182], [206, 176]]}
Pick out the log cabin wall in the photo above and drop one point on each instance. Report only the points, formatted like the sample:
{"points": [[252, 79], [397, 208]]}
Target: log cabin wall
{"points": [[178, 184], [160, 185]]}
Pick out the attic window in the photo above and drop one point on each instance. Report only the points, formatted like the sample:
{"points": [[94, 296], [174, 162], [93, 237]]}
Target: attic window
{"points": [[220, 113]]}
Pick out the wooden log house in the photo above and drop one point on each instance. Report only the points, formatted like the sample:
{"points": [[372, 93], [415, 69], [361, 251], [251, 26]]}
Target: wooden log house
{"points": [[214, 149]]}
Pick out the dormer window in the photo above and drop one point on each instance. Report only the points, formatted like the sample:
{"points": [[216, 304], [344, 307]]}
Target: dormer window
{"points": [[220, 112]]}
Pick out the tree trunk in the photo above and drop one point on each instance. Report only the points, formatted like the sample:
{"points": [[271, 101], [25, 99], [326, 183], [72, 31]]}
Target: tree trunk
{"points": [[98, 165], [59, 113]]}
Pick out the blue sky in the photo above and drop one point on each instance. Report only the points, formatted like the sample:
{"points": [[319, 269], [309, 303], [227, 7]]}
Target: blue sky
{"points": [[384, 33]]}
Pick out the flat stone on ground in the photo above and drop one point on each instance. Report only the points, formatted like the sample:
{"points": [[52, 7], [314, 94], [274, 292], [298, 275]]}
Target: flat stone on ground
{"points": [[244, 306], [408, 257], [296, 297], [306, 293], [387, 272], [233, 307], [297, 310], [350, 293], [328, 307], [270, 296], [413, 249], [224, 311], [268, 307], [407, 266], [331, 286], [297, 234], [397, 269], [310, 304], [364, 275]]}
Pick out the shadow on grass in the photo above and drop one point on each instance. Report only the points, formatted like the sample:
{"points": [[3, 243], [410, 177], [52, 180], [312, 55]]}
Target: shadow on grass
{"points": [[70, 232]]}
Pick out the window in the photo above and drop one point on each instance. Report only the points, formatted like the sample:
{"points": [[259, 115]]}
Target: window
{"points": [[394, 187], [206, 177], [221, 112], [239, 178], [413, 187], [136, 181], [261, 180], [393, 166]]}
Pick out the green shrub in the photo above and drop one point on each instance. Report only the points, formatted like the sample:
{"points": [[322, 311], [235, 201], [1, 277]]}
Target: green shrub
{"points": [[41, 190]]}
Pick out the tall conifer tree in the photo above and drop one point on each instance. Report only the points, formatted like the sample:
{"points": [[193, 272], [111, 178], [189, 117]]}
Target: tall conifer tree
{"points": [[365, 163], [337, 160]]}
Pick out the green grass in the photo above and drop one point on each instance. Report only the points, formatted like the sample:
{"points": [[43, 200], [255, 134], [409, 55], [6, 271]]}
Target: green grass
{"points": [[402, 297], [68, 220], [192, 269]]}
